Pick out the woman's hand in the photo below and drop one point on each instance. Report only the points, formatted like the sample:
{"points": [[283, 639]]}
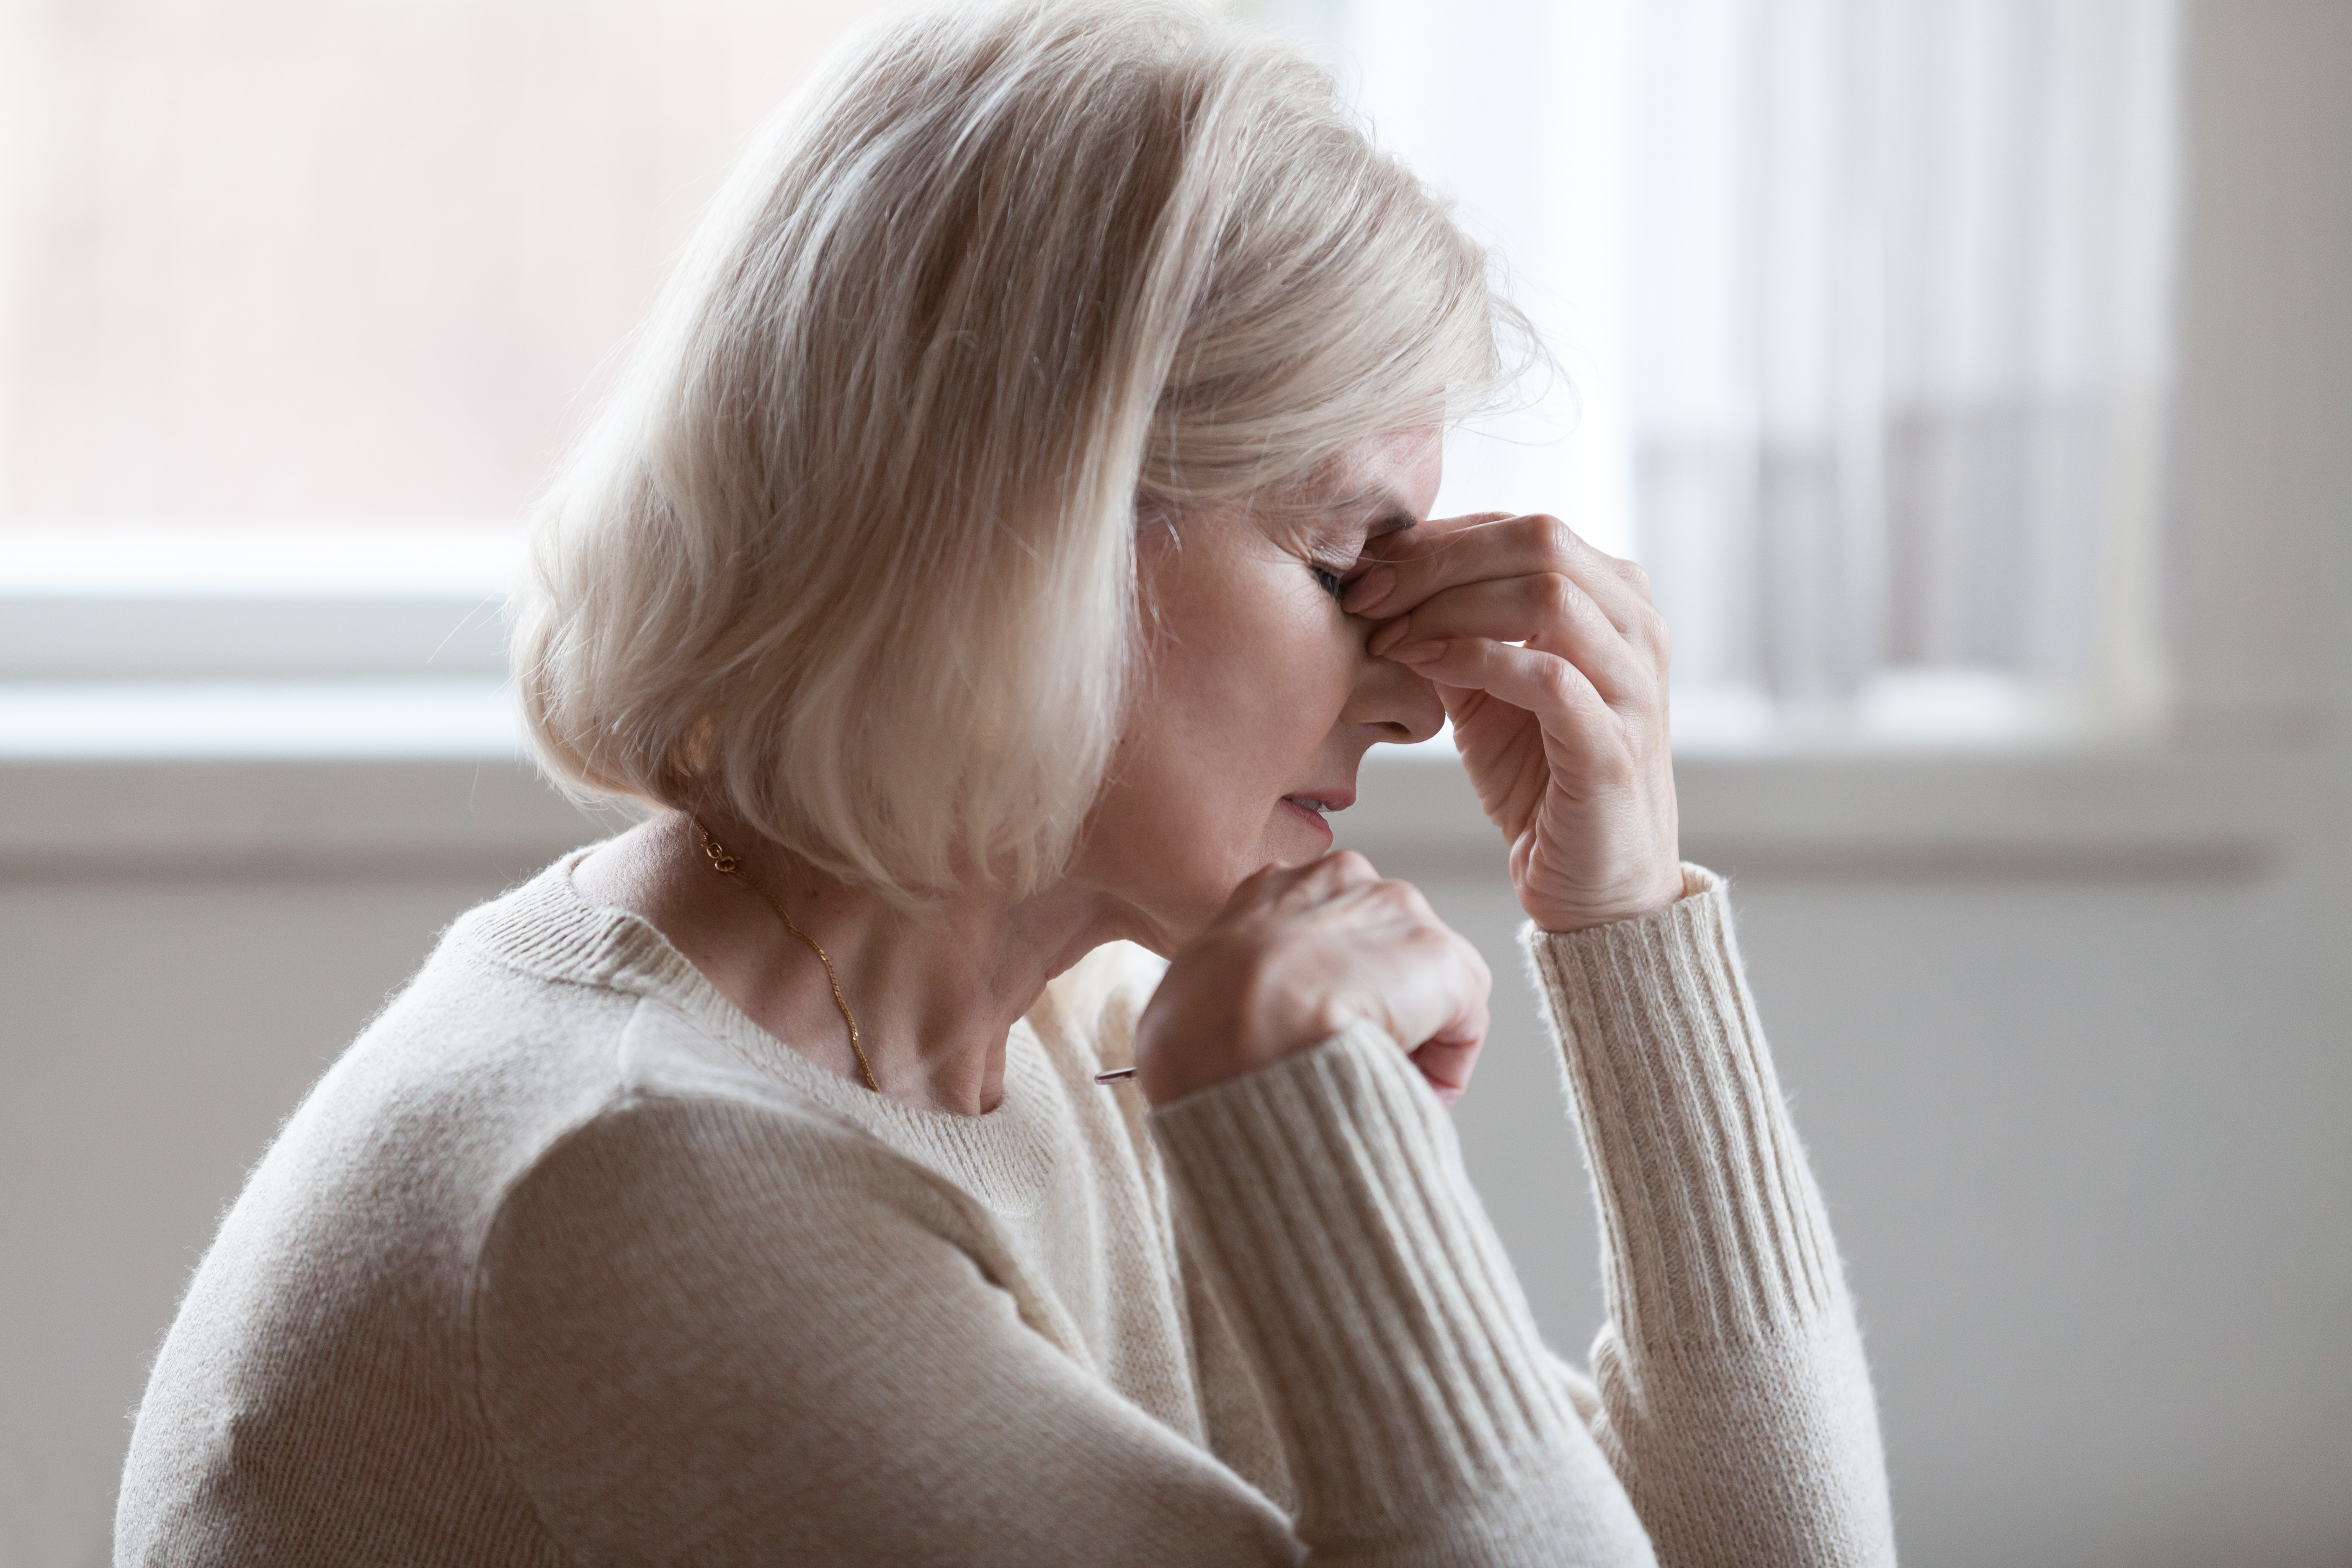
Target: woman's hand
{"points": [[1565, 737], [1298, 955]]}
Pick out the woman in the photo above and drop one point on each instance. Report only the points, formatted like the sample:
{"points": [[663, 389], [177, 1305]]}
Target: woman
{"points": [[1010, 539]]}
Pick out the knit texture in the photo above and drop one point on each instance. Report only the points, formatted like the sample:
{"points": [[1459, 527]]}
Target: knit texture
{"points": [[1735, 1403], [566, 1261]]}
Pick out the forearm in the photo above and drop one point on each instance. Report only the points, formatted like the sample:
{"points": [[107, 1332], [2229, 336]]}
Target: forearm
{"points": [[1735, 1402]]}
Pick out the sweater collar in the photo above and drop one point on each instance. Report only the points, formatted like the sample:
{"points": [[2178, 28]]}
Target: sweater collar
{"points": [[546, 928]]}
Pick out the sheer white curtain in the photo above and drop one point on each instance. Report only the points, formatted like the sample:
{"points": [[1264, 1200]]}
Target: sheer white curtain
{"points": [[1862, 311]]}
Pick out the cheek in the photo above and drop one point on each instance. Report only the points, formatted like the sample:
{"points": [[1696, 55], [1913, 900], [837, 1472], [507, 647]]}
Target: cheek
{"points": [[1260, 693], [1247, 707], [1236, 705], [1250, 669]]}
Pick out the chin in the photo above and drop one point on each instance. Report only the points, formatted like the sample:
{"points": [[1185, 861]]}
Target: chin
{"points": [[1296, 836], [1178, 896]]}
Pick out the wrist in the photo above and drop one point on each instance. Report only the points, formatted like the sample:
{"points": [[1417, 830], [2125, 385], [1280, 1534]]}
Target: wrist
{"points": [[1564, 918]]}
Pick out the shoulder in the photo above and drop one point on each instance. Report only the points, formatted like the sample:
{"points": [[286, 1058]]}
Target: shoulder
{"points": [[1092, 1006], [670, 1171], [526, 1022], [673, 1236]]}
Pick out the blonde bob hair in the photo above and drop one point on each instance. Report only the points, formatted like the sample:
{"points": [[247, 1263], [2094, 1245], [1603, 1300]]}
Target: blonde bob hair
{"points": [[850, 555]]}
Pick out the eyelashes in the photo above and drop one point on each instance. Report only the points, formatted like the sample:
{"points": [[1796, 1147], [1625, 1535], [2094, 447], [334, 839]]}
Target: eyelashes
{"points": [[1329, 581]]}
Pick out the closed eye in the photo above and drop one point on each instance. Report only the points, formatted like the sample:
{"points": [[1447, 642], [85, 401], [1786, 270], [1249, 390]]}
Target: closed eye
{"points": [[1329, 580]]}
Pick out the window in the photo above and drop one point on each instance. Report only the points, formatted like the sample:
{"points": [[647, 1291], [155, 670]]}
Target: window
{"points": [[1861, 316], [345, 262], [297, 305], [1858, 312]]}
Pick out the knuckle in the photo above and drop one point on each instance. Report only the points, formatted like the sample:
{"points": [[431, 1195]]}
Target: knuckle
{"points": [[1408, 898], [1557, 594], [1650, 630], [1559, 541], [1558, 681]]}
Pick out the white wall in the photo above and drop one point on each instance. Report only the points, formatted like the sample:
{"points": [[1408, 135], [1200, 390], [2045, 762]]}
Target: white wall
{"points": [[2070, 1039], [2082, 1143]]}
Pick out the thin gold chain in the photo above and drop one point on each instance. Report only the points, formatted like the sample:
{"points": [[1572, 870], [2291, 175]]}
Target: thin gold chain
{"points": [[726, 865]]}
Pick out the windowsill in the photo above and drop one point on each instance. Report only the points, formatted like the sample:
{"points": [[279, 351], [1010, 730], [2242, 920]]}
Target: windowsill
{"points": [[355, 721], [2115, 811], [428, 778]]}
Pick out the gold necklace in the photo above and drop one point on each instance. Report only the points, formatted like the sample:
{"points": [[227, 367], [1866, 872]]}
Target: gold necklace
{"points": [[726, 865]]}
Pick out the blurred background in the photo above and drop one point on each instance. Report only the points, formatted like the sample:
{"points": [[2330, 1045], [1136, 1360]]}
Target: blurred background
{"points": [[1974, 377]]}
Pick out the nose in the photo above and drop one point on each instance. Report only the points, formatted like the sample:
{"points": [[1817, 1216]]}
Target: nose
{"points": [[1400, 707]]}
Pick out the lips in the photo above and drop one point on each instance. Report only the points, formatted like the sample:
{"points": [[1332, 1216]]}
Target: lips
{"points": [[1312, 808], [1322, 801]]}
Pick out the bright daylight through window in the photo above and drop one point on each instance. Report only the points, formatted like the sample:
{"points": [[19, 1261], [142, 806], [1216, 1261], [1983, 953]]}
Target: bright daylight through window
{"points": [[1859, 316]]}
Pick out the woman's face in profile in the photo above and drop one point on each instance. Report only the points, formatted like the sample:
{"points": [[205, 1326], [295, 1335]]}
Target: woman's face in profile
{"points": [[1256, 699]]}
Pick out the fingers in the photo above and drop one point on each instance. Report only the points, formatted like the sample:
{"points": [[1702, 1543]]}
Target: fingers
{"points": [[1404, 968], [1549, 612], [1408, 567], [1304, 882], [1457, 1036], [1447, 1068], [1299, 953], [1581, 727], [1438, 990], [1433, 1000]]}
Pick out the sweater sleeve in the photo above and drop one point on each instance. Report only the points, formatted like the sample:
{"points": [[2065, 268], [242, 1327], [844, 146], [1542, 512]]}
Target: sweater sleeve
{"points": [[1735, 1404], [701, 1333], [1421, 1417]]}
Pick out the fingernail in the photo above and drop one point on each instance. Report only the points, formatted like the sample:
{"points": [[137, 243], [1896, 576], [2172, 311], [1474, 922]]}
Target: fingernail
{"points": [[1417, 652], [1368, 590]]}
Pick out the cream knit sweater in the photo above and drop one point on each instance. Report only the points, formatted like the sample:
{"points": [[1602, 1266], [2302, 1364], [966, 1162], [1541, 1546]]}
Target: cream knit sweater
{"points": [[566, 1261]]}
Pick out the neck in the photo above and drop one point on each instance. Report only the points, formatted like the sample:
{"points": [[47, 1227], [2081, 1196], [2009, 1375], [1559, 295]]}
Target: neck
{"points": [[935, 991]]}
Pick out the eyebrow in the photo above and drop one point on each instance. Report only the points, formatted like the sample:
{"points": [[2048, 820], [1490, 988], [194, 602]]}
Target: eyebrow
{"points": [[1395, 515]]}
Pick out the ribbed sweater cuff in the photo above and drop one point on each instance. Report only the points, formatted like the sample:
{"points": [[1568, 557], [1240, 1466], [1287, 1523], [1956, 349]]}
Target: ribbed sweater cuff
{"points": [[1370, 1291], [1714, 1232]]}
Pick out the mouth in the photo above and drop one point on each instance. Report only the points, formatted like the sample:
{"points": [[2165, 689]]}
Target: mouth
{"points": [[1322, 801], [1315, 805]]}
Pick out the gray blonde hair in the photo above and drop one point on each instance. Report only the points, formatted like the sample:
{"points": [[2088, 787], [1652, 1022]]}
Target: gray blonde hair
{"points": [[851, 553]]}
